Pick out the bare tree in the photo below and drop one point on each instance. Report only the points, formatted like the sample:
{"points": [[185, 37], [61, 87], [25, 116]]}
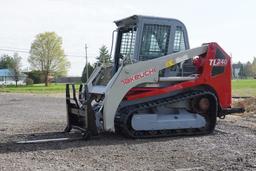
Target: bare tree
{"points": [[15, 68]]}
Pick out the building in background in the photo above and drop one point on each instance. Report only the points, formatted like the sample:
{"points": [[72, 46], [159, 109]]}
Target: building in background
{"points": [[236, 70], [6, 78]]}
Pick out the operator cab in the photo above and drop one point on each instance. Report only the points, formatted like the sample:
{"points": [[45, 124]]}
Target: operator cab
{"points": [[142, 38]]}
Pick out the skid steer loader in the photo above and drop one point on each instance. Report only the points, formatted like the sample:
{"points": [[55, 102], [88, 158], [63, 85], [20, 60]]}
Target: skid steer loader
{"points": [[156, 86]]}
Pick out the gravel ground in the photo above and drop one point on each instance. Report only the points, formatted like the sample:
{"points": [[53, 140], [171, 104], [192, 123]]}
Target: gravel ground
{"points": [[231, 147]]}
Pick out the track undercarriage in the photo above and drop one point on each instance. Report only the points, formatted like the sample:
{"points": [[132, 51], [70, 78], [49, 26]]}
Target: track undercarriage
{"points": [[196, 116]]}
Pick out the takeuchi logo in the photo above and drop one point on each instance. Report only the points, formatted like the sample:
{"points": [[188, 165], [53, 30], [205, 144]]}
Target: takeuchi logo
{"points": [[139, 76]]}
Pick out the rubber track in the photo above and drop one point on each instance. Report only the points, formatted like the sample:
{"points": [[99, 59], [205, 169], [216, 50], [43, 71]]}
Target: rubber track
{"points": [[123, 125]]}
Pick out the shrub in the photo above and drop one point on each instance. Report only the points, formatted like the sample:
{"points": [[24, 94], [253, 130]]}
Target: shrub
{"points": [[36, 76], [29, 81]]}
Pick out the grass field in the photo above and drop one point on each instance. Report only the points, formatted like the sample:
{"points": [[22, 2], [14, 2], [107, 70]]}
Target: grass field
{"points": [[239, 88], [36, 88], [244, 87]]}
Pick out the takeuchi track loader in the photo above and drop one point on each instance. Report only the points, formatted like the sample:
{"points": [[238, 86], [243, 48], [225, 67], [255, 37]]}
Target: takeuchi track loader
{"points": [[156, 86]]}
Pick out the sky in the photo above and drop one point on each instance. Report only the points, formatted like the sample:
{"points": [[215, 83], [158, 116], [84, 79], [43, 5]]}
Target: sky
{"points": [[230, 23]]}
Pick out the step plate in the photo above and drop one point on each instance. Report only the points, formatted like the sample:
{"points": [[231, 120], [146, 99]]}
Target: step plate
{"points": [[181, 120]]}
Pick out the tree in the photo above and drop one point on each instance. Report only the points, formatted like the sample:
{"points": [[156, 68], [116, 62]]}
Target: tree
{"points": [[13, 63], [241, 72], [36, 76], [47, 55], [5, 61], [104, 57], [248, 72], [254, 67], [15, 68], [90, 70]]}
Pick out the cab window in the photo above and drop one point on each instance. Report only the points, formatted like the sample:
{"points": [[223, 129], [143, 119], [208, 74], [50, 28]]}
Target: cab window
{"points": [[155, 40]]}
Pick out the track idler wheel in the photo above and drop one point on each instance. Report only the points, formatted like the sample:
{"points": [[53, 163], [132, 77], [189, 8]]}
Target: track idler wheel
{"points": [[206, 105]]}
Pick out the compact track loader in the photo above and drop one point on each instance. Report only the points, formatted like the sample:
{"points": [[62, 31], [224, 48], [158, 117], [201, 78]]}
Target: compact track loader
{"points": [[156, 86]]}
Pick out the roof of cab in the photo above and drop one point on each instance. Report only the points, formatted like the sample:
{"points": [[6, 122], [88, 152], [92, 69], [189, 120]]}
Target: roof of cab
{"points": [[134, 19]]}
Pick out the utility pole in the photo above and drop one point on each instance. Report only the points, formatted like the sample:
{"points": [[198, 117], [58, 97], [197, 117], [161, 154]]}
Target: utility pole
{"points": [[86, 62]]}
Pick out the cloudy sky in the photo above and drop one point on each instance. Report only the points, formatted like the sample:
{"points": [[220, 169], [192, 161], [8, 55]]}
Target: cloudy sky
{"points": [[231, 23]]}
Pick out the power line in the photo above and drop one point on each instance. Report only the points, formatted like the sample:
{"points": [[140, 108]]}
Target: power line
{"points": [[27, 51], [13, 50]]}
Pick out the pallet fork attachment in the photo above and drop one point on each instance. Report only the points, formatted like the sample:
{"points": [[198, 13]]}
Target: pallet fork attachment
{"points": [[80, 115]]}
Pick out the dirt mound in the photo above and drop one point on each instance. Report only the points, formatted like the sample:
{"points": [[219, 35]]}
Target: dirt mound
{"points": [[249, 104]]}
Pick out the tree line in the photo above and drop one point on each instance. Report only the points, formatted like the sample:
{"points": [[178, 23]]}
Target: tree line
{"points": [[244, 70]]}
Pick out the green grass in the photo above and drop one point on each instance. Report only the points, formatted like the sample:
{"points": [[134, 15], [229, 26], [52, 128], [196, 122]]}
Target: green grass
{"points": [[239, 88], [244, 87], [36, 88]]}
